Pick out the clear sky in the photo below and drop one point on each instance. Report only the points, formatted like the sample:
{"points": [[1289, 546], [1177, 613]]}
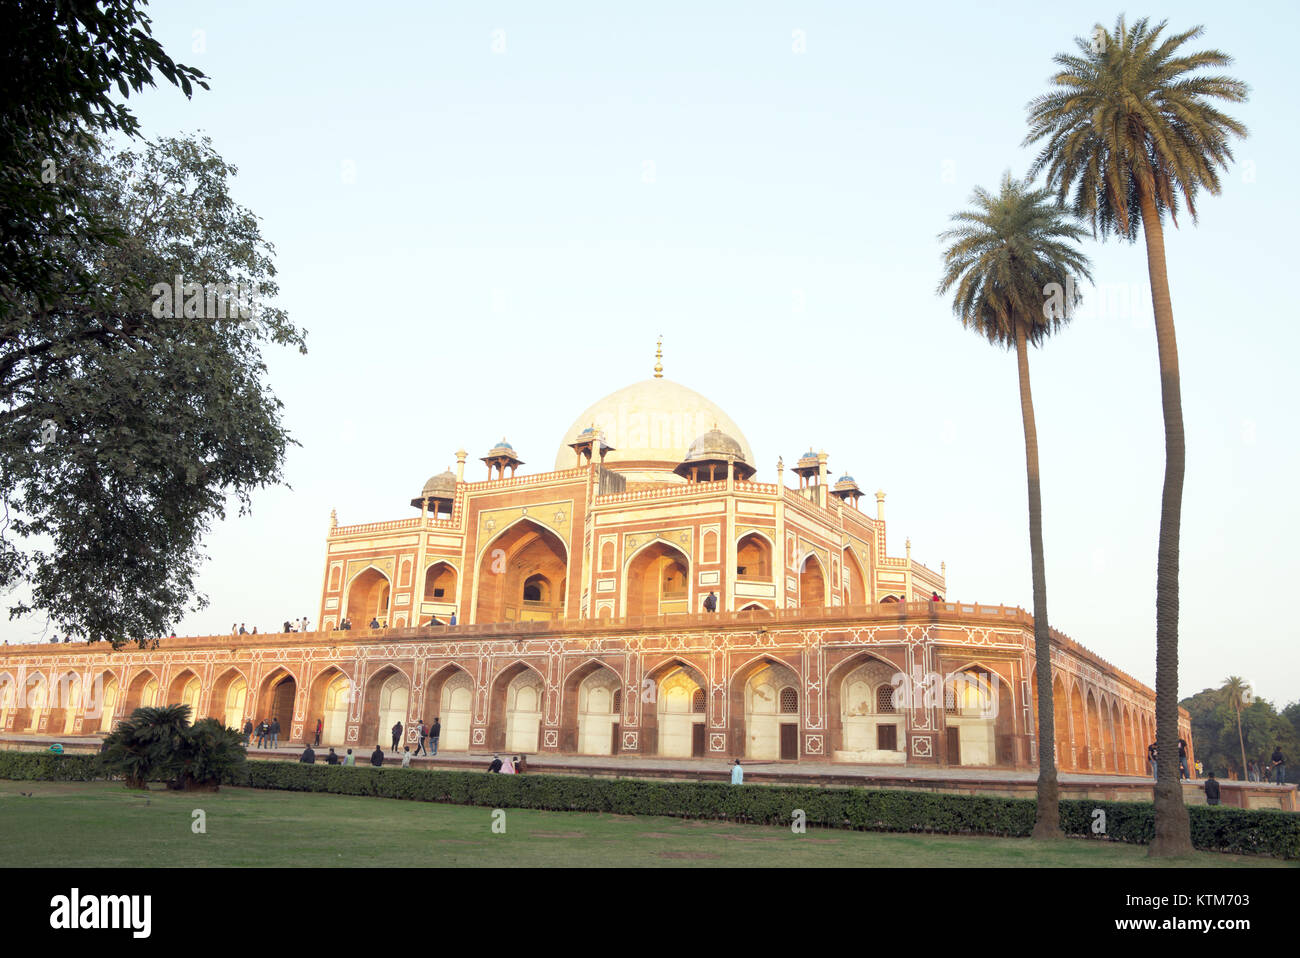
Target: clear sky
{"points": [[486, 213]]}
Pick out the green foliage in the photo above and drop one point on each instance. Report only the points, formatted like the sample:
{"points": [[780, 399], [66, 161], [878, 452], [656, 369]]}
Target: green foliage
{"points": [[1131, 110], [208, 754], [1255, 832], [65, 66], [159, 743], [125, 432], [1214, 730], [1002, 255], [47, 767], [1223, 829], [140, 749]]}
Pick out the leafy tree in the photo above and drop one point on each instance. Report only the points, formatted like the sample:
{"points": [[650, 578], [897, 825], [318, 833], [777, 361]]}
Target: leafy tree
{"points": [[1219, 743], [62, 65], [1292, 715], [1130, 131], [1003, 258], [125, 426]]}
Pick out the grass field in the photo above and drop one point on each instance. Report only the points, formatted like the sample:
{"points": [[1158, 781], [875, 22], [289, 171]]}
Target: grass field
{"points": [[101, 824]]}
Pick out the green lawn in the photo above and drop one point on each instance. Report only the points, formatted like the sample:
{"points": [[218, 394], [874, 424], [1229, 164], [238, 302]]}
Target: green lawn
{"points": [[101, 824]]}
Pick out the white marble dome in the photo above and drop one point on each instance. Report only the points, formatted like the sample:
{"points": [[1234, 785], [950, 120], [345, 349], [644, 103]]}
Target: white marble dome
{"points": [[650, 423]]}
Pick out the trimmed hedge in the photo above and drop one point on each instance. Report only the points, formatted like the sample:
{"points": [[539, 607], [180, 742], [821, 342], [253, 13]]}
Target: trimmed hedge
{"points": [[48, 767], [1219, 828]]}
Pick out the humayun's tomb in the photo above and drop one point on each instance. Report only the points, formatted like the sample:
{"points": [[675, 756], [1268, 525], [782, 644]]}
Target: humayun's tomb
{"points": [[579, 597]]}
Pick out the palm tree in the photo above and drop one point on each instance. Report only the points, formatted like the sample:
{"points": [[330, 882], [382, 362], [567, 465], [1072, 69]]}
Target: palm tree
{"points": [[1237, 693], [1128, 133], [1002, 261]]}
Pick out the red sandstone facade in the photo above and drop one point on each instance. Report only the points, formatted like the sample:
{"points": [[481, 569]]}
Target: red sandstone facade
{"points": [[579, 599]]}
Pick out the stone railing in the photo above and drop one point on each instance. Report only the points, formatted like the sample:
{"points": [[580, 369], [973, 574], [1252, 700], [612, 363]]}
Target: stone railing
{"points": [[668, 492], [529, 480]]}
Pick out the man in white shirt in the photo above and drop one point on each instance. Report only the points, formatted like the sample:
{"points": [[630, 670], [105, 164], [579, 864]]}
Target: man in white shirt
{"points": [[737, 774], [406, 757]]}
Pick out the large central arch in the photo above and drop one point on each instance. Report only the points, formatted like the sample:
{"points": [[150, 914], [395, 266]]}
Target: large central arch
{"points": [[370, 596], [522, 576]]}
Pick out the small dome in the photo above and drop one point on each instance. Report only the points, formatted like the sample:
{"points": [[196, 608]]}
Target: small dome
{"points": [[502, 448], [441, 486], [847, 478], [715, 444]]}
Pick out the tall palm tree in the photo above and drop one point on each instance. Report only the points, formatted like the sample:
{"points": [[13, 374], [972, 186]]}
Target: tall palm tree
{"points": [[1237, 693], [1129, 132], [1002, 259]]}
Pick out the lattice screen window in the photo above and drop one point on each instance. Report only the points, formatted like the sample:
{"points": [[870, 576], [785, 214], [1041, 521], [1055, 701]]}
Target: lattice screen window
{"points": [[697, 701], [789, 699], [885, 698]]}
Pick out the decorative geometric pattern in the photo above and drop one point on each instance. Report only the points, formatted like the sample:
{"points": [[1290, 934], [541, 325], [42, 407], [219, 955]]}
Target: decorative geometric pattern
{"points": [[551, 739], [812, 744], [480, 736], [630, 741], [717, 742], [921, 746]]}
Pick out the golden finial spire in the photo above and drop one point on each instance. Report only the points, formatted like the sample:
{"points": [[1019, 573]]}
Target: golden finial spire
{"points": [[659, 358]]}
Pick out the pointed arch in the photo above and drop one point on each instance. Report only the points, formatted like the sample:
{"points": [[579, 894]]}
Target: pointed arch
{"points": [[755, 694], [369, 596], [524, 549], [591, 713], [656, 580], [141, 692], [861, 716], [668, 720], [754, 552], [229, 699], [385, 701], [1061, 724], [331, 697], [813, 582], [854, 579], [66, 703], [186, 688], [449, 700], [441, 582], [276, 695], [516, 700], [8, 698]]}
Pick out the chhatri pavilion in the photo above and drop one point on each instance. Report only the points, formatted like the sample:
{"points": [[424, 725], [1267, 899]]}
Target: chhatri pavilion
{"points": [[567, 610]]}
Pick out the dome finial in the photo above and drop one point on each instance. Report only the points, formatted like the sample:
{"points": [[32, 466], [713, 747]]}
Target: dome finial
{"points": [[659, 358]]}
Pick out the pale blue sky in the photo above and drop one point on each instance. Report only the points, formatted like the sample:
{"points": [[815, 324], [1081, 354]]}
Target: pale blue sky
{"points": [[499, 261]]}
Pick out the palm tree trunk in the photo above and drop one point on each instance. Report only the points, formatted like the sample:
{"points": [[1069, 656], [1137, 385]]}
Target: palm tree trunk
{"points": [[1241, 742], [1047, 819], [1173, 826]]}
